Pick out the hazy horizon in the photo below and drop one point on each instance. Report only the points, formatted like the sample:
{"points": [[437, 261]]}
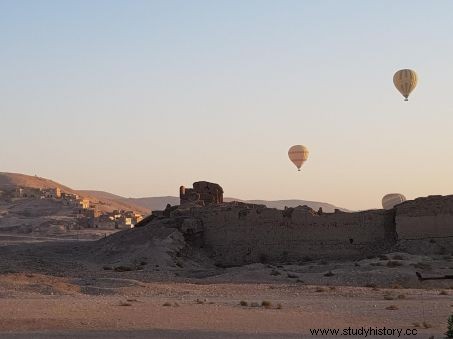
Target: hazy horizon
{"points": [[137, 98]]}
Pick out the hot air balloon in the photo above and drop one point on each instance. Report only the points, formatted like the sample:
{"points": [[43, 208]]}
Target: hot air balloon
{"points": [[391, 200], [298, 154], [405, 81]]}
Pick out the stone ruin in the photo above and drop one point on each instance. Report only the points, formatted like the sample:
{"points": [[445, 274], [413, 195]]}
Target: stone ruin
{"points": [[203, 193], [237, 233]]}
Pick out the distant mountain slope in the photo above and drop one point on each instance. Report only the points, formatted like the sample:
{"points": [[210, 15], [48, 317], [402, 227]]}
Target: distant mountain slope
{"points": [[149, 204], [156, 203], [280, 204], [159, 203], [103, 195]]}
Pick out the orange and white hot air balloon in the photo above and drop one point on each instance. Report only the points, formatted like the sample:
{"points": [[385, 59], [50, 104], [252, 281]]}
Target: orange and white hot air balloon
{"points": [[298, 154], [405, 81], [391, 200]]}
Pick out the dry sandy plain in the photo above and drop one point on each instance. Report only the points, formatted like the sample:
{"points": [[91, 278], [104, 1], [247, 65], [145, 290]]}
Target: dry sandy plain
{"points": [[56, 289]]}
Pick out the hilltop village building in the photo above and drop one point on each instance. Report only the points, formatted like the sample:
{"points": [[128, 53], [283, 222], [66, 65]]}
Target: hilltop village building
{"points": [[37, 193], [52, 193], [28, 192], [84, 203], [117, 219], [86, 213]]}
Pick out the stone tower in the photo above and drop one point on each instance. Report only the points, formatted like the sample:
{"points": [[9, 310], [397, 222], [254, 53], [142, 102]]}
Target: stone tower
{"points": [[203, 193]]}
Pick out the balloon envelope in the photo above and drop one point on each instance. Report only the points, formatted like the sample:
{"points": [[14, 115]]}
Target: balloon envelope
{"points": [[405, 81], [298, 154], [391, 200]]}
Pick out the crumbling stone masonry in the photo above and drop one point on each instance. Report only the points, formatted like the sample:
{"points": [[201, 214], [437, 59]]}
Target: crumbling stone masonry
{"points": [[238, 233], [425, 225], [203, 193], [241, 233]]}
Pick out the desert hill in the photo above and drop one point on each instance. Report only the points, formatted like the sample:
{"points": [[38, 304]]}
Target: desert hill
{"points": [[12, 180], [107, 202], [149, 204], [159, 203]]}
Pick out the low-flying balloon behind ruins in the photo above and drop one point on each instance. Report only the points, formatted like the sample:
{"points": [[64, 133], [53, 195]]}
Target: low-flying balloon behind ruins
{"points": [[391, 200], [298, 154], [405, 81]]}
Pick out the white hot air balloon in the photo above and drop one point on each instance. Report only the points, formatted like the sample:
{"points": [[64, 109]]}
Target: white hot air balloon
{"points": [[391, 200], [298, 154]]}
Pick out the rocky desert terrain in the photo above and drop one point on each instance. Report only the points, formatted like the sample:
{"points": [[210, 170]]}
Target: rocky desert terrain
{"points": [[140, 283]]}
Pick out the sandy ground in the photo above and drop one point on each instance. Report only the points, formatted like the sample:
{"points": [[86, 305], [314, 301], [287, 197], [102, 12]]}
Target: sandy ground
{"points": [[42, 303]]}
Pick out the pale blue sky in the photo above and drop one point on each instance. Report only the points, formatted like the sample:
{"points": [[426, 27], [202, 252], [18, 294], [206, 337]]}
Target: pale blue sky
{"points": [[139, 97]]}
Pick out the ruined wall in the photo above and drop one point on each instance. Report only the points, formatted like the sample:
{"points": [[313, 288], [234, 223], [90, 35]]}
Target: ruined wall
{"points": [[240, 233], [425, 225], [429, 217]]}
